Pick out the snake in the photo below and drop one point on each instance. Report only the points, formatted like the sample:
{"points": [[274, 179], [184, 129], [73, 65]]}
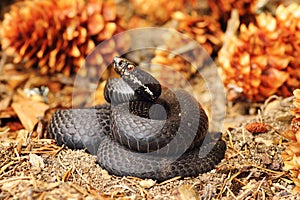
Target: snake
{"points": [[143, 130]]}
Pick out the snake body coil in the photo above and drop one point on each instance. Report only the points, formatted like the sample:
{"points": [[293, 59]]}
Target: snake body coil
{"points": [[143, 131]]}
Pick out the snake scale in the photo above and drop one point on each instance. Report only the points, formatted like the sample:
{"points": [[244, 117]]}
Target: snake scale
{"points": [[142, 130]]}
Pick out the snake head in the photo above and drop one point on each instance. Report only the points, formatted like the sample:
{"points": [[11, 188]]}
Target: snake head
{"points": [[145, 86], [123, 66]]}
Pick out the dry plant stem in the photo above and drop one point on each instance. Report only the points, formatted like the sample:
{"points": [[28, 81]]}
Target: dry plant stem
{"points": [[170, 180], [79, 189], [2, 60], [232, 27], [186, 48], [15, 179]]}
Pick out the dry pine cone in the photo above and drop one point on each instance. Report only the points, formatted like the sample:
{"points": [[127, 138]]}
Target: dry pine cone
{"points": [[196, 30], [264, 59], [291, 155], [57, 35], [158, 12], [221, 9], [203, 29], [171, 70]]}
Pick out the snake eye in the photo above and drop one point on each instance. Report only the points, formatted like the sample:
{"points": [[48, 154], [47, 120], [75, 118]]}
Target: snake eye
{"points": [[130, 67]]}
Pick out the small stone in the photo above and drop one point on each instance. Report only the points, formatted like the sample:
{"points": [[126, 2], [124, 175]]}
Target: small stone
{"points": [[37, 162], [147, 183]]}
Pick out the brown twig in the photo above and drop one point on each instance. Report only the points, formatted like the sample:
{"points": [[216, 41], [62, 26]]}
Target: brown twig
{"points": [[170, 180]]}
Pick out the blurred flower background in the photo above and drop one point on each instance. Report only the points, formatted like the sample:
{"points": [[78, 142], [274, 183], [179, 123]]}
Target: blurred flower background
{"points": [[258, 56]]}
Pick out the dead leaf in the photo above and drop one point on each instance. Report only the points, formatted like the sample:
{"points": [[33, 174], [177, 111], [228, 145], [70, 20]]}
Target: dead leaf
{"points": [[257, 127], [29, 112]]}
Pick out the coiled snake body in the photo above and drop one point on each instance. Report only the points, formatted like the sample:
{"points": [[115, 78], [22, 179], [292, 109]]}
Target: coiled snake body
{"points": [[142, 131]]}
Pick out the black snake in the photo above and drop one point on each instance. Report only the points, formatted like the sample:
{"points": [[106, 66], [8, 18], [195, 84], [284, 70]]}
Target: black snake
{"points": [[143, 130]]}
